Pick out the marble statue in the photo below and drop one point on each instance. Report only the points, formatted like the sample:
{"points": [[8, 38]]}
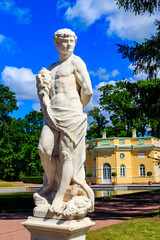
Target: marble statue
{"points": [[64, 90]]}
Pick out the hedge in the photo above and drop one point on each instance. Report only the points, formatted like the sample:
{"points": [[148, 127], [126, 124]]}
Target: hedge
{"points": [[37, 180], [16, 202]]}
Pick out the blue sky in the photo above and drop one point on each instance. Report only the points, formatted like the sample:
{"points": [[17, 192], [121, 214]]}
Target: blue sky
{"points": [[26, 42]]}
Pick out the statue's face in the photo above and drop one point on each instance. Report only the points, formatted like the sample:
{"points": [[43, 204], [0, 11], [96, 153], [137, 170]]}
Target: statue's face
{"points": [[66, 45]]}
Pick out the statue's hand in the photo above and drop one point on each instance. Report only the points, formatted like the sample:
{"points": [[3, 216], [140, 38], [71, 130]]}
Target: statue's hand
{"points": [[44, 85]]}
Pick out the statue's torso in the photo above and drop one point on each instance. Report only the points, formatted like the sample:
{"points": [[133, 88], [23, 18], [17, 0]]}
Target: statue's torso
{"points": [[64, 87]]}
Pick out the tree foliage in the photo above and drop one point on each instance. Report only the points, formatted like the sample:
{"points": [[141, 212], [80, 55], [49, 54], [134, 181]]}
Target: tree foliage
{"points": [[8, 103], [18, 139], [98, 124], [132, 105], [145, 57], [139, 6], [18, 147]]}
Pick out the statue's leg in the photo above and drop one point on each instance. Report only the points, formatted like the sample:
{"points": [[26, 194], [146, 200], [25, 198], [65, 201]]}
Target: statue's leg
{"points": [[66, 149], [47, 142]]}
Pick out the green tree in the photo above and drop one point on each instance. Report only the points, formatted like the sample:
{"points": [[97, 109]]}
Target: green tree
{"points": [[18, 147], [132, 105], [8, 103], [98, 124], [139, 6], [145, 57]]}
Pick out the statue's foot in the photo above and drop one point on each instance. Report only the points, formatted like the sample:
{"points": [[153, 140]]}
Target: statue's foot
{"points": [[45, 189], [57, 207]]}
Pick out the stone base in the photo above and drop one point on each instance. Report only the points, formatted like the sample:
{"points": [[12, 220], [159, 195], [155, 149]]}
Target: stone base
{"points": [[52, 229]]}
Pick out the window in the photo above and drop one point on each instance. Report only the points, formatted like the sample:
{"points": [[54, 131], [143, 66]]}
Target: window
{"points": [[141, 155], [94, 157], [141, 141], [141, 170], [105, 141], [94, 144], [122, 156], [122, 170], [85, 169], [121, 141], [106, 171], [155, 154]]}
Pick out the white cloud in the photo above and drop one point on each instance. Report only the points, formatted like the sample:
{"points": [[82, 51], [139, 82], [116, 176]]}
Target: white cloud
{"points": [[95, 101], [21, 81], [102, 74], [36, 106], [8, 45], [128, 26], [89, 11], [20, 103], [9, 7], [141, 75], [2, 38], [62, 4], [123, 24]]}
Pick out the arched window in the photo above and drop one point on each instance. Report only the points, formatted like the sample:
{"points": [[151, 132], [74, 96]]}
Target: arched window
{"points": [[142, 170], [85, 169], [122, 170]]}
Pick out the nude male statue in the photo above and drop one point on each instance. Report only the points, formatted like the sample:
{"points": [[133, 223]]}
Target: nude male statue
{"points": [[64, 89]]}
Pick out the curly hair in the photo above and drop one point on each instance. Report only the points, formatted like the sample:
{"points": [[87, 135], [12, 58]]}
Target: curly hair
{"points": [[63, 33]]}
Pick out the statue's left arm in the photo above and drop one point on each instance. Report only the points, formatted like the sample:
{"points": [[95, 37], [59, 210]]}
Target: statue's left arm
{"points": [[83, 80]]}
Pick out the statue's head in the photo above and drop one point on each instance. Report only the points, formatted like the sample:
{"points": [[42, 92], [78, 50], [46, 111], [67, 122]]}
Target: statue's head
{"points": [[65, 40]]}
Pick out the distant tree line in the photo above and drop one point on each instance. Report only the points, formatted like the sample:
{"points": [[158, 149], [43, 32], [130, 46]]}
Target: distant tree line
{"points": [[130, 105], [18, 139]]}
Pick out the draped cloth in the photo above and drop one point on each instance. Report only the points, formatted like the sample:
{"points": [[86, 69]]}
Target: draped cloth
{"points": [[74, 124]]}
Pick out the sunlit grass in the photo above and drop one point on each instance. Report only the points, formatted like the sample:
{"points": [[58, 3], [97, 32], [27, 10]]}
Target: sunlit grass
{"points": [[142, 228], [3, 185]]}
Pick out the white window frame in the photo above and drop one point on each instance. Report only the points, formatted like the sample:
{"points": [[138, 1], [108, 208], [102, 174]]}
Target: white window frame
{"points": [[141, 155], [122, 170], [142, 170]]}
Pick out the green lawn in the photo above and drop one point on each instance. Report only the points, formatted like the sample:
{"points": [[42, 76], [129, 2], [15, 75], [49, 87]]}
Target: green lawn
{"points": [[3, 185], [144, 228]]}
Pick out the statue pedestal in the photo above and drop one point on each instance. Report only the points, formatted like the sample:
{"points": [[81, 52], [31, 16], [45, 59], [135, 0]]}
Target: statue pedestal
{"points": [[53, 229]]}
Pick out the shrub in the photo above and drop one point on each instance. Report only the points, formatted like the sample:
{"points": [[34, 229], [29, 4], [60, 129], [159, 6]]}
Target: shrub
{"points": [[36, 180], [149, 174], [114, 174], [89, 175], [16, 202]]}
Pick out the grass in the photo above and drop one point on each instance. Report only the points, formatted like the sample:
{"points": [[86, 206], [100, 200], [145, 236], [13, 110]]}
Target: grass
{"points": [[6, 184], [143, 228]]}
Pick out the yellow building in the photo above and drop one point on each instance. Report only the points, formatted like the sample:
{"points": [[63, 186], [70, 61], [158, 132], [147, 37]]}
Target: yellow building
{"points": [[130, 157]]}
